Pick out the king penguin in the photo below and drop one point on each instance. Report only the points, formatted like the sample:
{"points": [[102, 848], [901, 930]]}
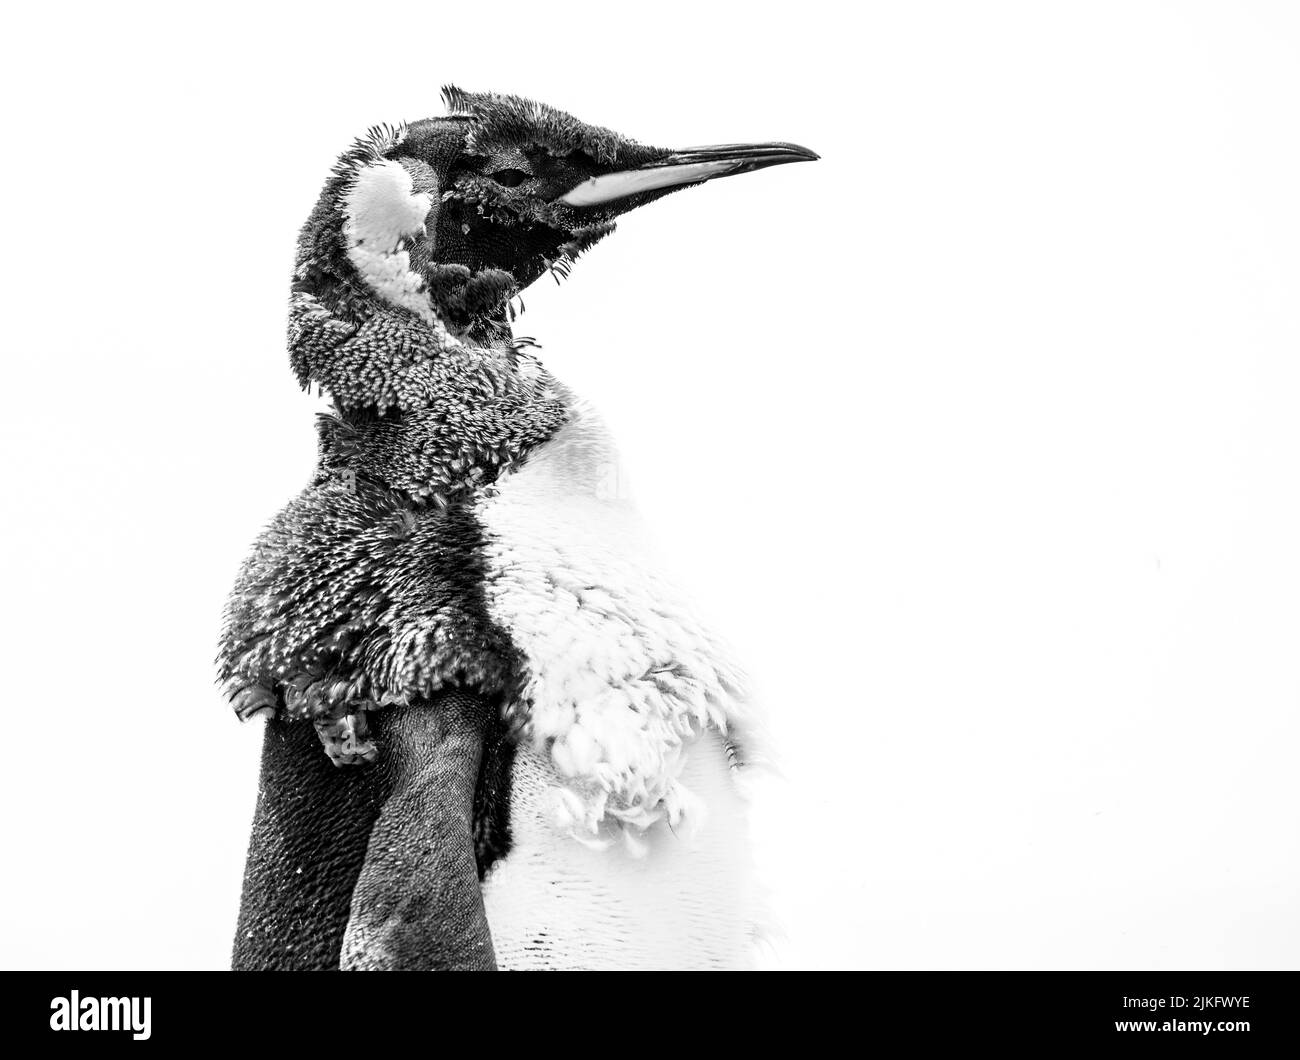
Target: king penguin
{"points": [[496, 736]]}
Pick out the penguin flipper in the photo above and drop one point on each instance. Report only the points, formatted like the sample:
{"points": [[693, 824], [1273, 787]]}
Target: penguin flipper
{"points": [[417, 904], [309, 840]]}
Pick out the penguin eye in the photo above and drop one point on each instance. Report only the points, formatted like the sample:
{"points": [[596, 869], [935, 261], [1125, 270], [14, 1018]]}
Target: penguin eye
{"points": [[509, 178]]}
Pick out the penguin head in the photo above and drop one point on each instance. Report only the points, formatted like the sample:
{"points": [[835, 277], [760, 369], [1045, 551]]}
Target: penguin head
{"points": [[450, 217]]}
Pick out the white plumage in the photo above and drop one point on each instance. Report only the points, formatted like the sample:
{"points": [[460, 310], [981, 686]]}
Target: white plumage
{"points": [[629, 843], [684, 902], [621, 673]]}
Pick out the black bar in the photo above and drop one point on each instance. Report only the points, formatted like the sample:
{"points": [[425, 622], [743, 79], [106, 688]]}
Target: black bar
{"points": [[598, 1013]]}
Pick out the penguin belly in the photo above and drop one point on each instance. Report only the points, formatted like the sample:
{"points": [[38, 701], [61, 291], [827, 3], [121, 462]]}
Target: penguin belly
{"points": [[553, 902]]}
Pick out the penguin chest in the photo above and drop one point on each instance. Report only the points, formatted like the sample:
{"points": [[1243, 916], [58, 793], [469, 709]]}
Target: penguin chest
{"points": [[627, 840], [618, 674], [679, 902]]}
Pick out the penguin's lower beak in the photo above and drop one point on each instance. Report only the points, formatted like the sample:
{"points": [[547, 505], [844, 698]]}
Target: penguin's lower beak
{"points": [[691, 166]]}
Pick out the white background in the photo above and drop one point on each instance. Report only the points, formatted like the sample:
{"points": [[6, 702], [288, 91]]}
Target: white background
{"points": [[980, 438]]}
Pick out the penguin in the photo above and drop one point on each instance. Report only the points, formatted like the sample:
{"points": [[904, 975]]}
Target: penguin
{"points": [[497, 736]]}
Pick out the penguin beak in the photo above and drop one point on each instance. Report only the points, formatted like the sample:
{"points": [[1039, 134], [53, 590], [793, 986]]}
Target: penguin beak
{"points": [[691, 166]]}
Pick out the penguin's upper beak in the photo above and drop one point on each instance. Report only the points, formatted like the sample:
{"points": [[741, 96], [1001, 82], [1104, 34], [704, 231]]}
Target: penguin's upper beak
{"points": [[690, 166]]}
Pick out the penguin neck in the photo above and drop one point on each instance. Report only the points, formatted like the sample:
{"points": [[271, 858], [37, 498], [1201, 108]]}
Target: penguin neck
{"points": [[417, 410]]}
